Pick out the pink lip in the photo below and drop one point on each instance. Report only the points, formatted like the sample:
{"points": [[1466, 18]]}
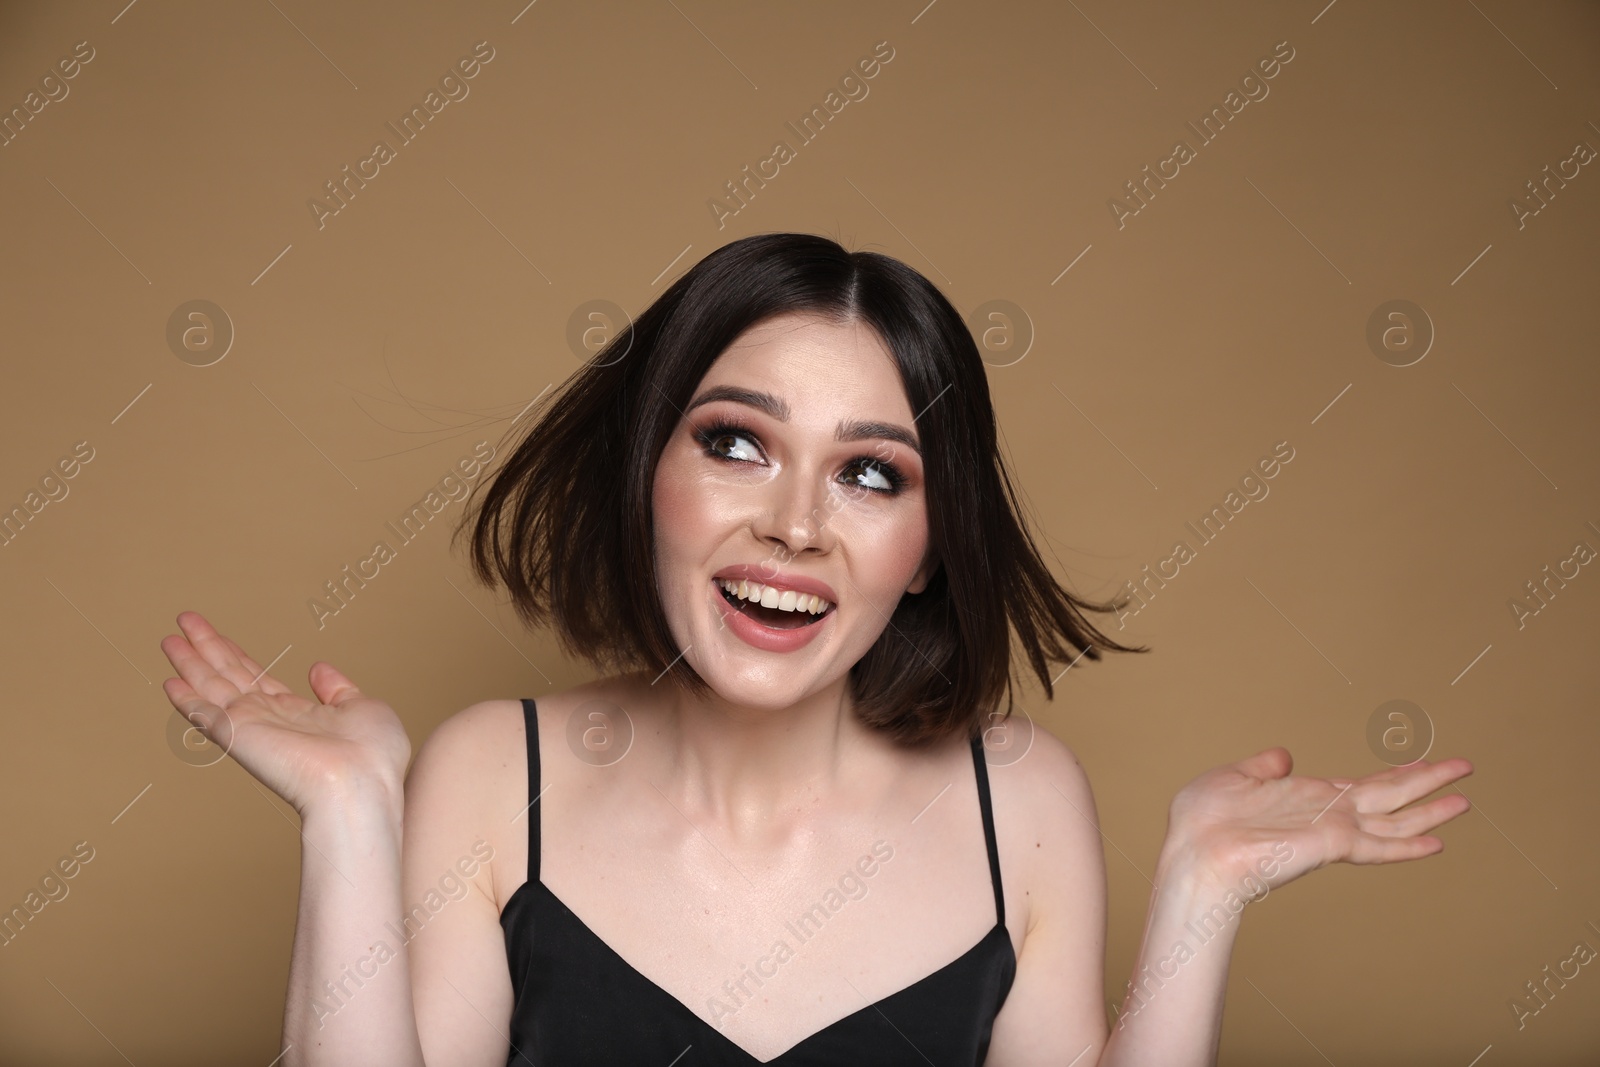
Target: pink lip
{"points": [[771, 576], [766, 638]]}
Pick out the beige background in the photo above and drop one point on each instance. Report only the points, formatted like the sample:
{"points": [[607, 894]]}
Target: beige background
{"points": [[1228, 315]]}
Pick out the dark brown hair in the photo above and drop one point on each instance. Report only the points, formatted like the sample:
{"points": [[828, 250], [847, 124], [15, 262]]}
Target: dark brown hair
{"points": [[566, 524]]}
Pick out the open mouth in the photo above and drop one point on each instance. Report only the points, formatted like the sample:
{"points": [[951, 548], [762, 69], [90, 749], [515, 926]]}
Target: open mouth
{"points": [[773, 618]]}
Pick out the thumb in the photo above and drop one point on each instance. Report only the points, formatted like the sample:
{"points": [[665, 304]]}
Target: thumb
{"points": [[331, 685], [1269, 763]]}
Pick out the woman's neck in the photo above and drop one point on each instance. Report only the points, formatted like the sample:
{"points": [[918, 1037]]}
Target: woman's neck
{"points": [[761, 771]]}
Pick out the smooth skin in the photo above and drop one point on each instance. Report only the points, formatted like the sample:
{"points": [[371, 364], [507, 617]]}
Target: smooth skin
{"points": [[774, 780]]}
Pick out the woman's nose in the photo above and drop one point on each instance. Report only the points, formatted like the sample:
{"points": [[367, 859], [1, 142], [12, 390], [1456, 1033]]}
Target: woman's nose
{"points": [[797, 512]]}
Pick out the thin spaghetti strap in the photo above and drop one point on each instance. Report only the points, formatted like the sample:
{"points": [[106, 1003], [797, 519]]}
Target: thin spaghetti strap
{"points": [[980, 767], [530, 726]]}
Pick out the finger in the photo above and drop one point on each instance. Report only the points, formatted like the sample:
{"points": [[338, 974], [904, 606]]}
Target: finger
{"points": [[205, 639], [198, 672], [1371, 849], [190, 704], [1406, 771], [1387, 776], [331, 686], [212, 722], [1268, 763], [1395, 788], [264, 681], [1417, 820]]}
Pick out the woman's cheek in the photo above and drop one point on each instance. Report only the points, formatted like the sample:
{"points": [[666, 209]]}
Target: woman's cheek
{"points": [[885, 551], [904, 555], [669, 497], [679, 489], [692, 513]]}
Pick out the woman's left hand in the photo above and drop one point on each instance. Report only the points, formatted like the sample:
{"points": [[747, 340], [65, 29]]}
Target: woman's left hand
{"points": [[1223, 825]]}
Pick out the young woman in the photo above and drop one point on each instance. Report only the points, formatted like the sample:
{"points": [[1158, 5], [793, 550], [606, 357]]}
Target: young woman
{"points": [[774, 514]]}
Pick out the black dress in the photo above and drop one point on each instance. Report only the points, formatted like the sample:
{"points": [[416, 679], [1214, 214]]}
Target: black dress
{"points": [[579, 1003]]}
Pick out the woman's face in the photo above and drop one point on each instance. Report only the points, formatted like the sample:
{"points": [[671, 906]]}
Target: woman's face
{"points": [[757, 485]]}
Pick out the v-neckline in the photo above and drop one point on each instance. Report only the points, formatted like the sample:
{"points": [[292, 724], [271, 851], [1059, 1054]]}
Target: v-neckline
{"points": [[684, 1010]]}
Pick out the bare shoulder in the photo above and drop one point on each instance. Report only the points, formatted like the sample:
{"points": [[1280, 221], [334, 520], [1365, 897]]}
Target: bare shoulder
{"points": [[475, 728], [492, 732], [1045, 812], [1055, 1000], [470, 777], [453, 868], [463, 771], [461, 776], [1045, 766]]}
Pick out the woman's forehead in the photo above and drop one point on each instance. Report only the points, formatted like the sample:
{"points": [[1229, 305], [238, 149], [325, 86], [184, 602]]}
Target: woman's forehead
{"points": [[808, 329], [797, 348]]}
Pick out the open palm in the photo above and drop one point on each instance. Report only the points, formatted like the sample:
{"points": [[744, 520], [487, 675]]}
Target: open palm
{"points": [[1230, 818], [306, 752]]}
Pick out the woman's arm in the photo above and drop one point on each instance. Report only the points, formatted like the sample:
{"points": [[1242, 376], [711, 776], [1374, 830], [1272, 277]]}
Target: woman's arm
{"points": [[405, 962], [374, 841], [349, 995], [1233, 833], [1172, 1013]]}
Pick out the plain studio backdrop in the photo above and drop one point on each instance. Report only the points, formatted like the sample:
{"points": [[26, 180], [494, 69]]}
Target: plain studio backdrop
{"points": [[242, 342]]}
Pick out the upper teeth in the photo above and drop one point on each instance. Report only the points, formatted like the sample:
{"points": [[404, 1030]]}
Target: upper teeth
{"points": [[768, 597]]}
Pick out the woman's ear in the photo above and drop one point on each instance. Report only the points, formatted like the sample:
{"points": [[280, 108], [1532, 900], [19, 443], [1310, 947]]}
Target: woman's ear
{"points": [[925, 573]]}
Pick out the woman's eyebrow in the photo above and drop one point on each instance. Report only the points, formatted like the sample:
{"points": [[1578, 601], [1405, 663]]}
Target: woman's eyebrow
{"points": [[847, 430]]}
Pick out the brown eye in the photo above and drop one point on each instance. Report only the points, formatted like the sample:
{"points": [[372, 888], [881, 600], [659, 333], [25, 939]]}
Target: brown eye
{"points": [[887, 478], [723, 442]]}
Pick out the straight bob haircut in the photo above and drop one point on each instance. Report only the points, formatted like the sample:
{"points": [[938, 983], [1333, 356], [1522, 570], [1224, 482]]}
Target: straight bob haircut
{"points": [[566, 524]]}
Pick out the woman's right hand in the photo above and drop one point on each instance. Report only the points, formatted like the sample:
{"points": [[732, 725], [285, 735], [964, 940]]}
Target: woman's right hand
{"points": [[347, 748]]}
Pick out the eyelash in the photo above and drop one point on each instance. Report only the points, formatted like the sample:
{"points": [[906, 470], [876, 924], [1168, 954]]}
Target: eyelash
{"points": [[718, 430]]}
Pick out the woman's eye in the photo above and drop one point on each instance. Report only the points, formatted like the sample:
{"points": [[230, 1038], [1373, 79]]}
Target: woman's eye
{"points": [[733, 444], [733, 451], [871, 470]]}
